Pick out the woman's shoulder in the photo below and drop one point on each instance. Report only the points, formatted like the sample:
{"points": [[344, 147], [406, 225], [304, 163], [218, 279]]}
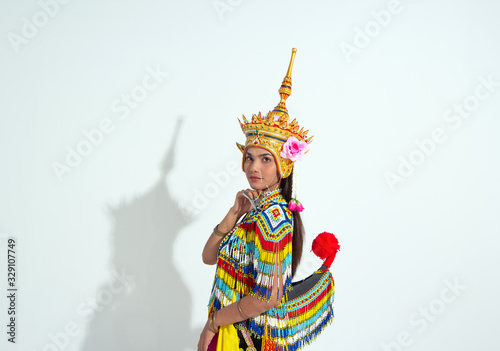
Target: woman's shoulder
{"points": [[277, 212], [273, 223]]}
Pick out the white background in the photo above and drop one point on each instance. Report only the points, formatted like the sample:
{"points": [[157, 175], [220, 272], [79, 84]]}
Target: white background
{"points": [[137, 208]]}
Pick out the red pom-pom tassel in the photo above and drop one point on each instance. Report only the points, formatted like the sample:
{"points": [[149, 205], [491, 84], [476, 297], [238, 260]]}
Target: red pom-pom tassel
{"points": [[325, 246]]}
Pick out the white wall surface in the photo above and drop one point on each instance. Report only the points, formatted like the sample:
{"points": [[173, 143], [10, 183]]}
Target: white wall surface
{"points": [[108, 244]]}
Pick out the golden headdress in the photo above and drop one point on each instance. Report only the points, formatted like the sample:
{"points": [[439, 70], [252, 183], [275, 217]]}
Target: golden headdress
{"points": [[273, 130]]}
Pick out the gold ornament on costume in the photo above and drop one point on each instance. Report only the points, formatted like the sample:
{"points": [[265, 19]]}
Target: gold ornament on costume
{"points": [[273, 130]]}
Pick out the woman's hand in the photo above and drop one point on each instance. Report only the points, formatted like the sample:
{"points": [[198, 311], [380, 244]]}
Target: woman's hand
{"points": [[241, 204], [205, 338]]}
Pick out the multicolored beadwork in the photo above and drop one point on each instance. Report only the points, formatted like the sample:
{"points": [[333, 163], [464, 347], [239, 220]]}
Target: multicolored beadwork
{"points": [[246, 266]]}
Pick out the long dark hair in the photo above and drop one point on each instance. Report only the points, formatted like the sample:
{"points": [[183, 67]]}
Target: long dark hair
{"points": [[298, 227]]}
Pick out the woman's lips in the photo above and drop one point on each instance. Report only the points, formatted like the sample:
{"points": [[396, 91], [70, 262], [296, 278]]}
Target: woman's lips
{"points": [[255, 178]]}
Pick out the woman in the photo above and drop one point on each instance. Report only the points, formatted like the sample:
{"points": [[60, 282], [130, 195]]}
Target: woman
{"points": [[257, 256]]}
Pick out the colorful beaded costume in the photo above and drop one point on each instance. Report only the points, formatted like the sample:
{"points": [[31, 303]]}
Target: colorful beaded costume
{"points": [[249, 253], [246, 267]]}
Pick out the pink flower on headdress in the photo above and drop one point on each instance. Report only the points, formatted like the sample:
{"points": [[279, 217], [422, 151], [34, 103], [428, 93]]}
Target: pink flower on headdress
{"points": [[294, 149], [295, 205]]}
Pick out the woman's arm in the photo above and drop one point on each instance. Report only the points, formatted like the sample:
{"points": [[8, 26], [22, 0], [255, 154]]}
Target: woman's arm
{"points": [[240, 207], [251, 306], [211, 248]]}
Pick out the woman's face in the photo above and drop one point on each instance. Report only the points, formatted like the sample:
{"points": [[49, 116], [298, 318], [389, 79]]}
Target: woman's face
{"points": [[260, 169]]}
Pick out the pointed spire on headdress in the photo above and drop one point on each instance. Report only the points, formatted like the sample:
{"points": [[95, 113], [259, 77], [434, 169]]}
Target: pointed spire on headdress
{"points": [[285, 91]]}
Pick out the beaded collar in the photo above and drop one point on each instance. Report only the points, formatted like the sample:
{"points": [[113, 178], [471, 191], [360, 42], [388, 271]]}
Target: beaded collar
{"points": [[269, 198]]}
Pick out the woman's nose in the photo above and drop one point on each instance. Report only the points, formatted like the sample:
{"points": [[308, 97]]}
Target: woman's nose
{"points": [[255, 167]]}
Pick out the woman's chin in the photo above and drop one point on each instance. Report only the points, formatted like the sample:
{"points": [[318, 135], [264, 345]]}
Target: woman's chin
{"points": [[256, 187], [256, 184]]}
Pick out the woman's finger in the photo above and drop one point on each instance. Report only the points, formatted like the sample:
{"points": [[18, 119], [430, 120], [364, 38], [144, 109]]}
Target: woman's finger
{"points": [[252, 193]]}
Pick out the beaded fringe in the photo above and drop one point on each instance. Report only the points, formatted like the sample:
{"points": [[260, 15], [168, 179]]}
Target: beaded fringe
{"points": [[298, 322], [246, 266]]}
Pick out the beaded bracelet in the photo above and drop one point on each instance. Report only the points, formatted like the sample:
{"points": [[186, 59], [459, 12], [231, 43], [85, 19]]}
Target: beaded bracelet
{"points": [[218, 232], [211, 323], [241, 312]]}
